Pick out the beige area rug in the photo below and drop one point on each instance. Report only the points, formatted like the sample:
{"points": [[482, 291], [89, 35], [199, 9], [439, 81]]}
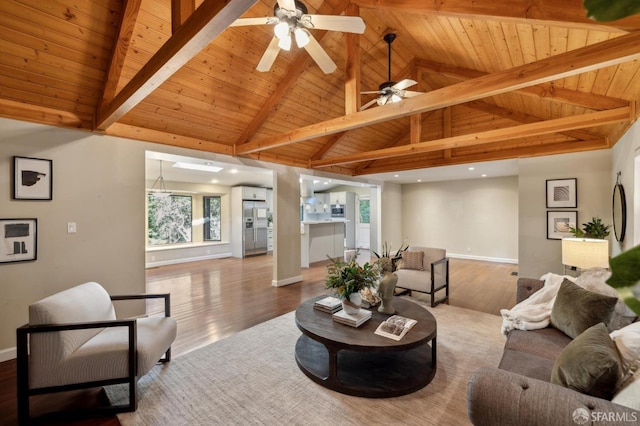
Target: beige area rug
{"points": [[251, 378]]}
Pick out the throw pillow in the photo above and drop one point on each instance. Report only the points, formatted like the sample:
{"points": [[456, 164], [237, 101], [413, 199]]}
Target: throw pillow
{"points": [[627, 340], [595, 279], [590, 364], [576, 309], [629, 393], [412, 260]]}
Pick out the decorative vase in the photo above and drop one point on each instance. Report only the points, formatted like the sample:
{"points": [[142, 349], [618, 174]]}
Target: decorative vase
{"points": [[351, 305], [386, 289]]}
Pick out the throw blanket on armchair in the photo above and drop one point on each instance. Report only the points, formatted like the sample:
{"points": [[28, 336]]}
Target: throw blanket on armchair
{"points": [[534, 312]]}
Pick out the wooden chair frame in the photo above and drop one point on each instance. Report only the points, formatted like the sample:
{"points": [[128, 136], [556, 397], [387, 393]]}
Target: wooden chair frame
{"points": [[22, 337]]}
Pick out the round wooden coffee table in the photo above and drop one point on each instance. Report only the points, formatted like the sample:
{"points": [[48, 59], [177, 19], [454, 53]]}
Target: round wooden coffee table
{"points": [[355, 361]]}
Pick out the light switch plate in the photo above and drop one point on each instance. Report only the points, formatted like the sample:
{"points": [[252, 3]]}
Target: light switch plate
{"points": [[71, 228]]}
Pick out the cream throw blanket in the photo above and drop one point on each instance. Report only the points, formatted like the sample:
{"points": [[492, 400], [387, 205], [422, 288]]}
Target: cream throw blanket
{"points": [[535, 311]]}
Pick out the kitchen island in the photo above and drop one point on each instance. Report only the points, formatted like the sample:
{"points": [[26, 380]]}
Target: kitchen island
{"points": [[320, 239]]}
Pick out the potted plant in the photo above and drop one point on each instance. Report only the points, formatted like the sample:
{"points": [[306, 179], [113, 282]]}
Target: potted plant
{"points": [[388, 260], [593, 229], [348, 278], [625, 277]]}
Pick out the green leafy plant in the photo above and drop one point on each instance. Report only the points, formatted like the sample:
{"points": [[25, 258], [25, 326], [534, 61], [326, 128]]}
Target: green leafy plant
{"points": [[593, 229], [350, 277], [610, 10], [625, 277]]}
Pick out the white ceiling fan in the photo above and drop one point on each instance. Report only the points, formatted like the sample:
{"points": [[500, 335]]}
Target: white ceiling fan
{"points": [[391, 91], [291, 19]]}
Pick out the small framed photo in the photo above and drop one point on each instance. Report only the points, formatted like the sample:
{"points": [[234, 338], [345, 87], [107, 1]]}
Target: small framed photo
{"points": [[18, 240], [559, 222], [562, 193], [32, 179]]}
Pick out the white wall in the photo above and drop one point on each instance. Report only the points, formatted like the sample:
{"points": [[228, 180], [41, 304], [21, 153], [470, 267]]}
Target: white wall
{"points": [[98, 183], [624, 155], [593, 169], [475, 218]]}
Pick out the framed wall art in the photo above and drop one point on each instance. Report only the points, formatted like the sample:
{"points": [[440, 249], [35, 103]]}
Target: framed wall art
{"points": [[559, 222], [18, 240], [562, 193], [32, 179]]}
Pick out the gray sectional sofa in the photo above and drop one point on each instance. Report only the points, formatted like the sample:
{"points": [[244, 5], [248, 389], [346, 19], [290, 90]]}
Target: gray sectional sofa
{"points": [[519, 391]]}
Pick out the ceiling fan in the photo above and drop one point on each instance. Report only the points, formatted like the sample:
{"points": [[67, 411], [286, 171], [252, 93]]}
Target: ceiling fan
{"points": [[291, 19], [391, 91]]}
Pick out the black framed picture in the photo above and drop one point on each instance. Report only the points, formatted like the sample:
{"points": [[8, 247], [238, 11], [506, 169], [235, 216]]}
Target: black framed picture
{"points": [[559, 222], [18, 240], [32, 179], [562, 193]]}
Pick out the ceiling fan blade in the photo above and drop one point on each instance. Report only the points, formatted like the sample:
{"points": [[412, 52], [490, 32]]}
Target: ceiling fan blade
{"points": [[252, 21], [410, 94], [319, 55], [269, 56], [403, 84], [347, 24], [372, 92], [368, 104], [382, 100], [287, 4]]}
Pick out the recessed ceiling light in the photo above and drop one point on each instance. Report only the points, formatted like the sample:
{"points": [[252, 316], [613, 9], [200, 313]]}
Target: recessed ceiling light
{"points": [[214, 180], [396, 175], [233, 171], [419, 180], [326, 183], [199, 167], [316, 181], [471, 168], [484, 175]]}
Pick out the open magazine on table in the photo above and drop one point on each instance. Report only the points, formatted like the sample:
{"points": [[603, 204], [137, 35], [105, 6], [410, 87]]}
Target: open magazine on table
{"points": [[395, 327]]}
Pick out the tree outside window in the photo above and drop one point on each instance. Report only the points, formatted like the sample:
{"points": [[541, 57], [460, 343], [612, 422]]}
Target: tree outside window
{"points": [[212, 218], [364, 211], [169, 219]]}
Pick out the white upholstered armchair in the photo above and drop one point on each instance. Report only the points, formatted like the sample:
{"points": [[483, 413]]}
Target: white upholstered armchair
{"points": [[426, 270], [73, 341]]}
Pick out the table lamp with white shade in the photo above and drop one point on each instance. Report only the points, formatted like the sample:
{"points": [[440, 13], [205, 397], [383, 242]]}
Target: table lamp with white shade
{"points": [[585, 253]]}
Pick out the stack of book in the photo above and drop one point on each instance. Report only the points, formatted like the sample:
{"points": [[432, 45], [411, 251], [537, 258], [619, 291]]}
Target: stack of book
{"points": [[352, 320], [328, 304]]}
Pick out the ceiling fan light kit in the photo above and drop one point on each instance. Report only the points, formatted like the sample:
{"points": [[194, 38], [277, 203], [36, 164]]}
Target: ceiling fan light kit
{"points": [[390, 91], [292, 20]]}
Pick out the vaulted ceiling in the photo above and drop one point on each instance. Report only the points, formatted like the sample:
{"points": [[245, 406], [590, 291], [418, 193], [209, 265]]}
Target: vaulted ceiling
{"points": [[500, 79]]}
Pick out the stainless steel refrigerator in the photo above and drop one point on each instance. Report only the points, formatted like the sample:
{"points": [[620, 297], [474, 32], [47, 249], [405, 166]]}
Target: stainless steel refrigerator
{"points": [[254, 240]]}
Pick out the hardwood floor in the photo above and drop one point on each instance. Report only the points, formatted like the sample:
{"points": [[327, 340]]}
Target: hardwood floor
{"points": [[214, 299]]}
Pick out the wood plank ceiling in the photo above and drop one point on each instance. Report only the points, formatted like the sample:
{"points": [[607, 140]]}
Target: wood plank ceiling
{"points": [[500, 79]]}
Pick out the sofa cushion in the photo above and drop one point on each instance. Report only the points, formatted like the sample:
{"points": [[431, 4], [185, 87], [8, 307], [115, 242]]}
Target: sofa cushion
{"points": [[590, 364], [629, 393], [526, 364], [576, 309], [411, 260], [546, 342]]}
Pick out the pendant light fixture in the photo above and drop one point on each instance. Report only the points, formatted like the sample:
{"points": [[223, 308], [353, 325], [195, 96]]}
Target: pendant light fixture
{"points": [[162, 190]]}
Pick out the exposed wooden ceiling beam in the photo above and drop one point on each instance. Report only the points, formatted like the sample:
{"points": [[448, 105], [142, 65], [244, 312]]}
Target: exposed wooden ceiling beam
{"points": [[301, 63], [119, 53], [610, 52], [352, 67], [545, 90], [204, 25], [490, 136], [558, 12], [526, 118], [502, 154], [180, 11], [327, 146]]}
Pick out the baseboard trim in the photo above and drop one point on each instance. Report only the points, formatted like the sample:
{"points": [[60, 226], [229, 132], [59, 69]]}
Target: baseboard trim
{"points": [[186, 260], [483, 258], [8, 354], [286, 281]]}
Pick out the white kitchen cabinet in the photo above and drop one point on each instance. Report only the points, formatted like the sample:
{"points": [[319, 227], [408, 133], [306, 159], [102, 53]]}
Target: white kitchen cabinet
{"points": [[270, 240], [252, 193], [322, 203], [338, 198]]}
